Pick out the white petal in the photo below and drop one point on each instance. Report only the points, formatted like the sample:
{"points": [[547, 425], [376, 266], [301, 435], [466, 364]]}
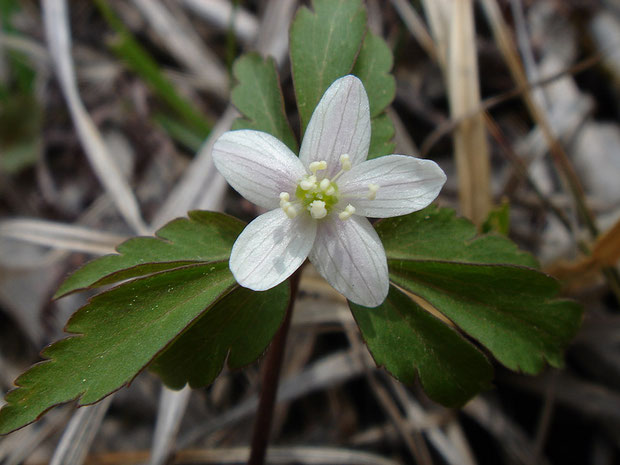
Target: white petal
{"points": [[350, 256], [340, 124], [406, 184], [257, 165], [271, 248]]}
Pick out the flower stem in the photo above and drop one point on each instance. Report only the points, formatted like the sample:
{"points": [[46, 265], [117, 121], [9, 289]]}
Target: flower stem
{"points": [[271, 377]]}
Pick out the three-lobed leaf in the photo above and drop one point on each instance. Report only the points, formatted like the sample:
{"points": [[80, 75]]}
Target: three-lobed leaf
{"points": [[258, 97], [323, 45], [181, 297], [485, 285], [406, 339], [116, 335], [236, 330], [203, 237], [372, 66]]}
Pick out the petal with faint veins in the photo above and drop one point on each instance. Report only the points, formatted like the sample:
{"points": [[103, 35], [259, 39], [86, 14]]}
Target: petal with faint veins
{"points": [[271, 248], [340, 124], [406, 184], [257, 165], [350, 256]]}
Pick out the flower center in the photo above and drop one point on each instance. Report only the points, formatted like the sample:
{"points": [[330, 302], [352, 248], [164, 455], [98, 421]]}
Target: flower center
{"points": [[318, 195]]}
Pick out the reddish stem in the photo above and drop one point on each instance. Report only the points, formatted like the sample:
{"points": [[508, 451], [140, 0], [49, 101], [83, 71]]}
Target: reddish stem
{"points": [[271, 378]]}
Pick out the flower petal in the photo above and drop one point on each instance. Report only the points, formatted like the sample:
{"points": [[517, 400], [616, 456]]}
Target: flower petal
{"points": [[271, 248], [350, 256], [257, 165], [406, 184], [340, 124]]}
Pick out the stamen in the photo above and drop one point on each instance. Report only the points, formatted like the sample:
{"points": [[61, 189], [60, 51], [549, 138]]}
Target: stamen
{"points": [[372, 191], [345, 162], [290, 211], [325, 184], [308, 183], [318, 210], [284, 199], [318, 165], [347, 213], [330, 190]]}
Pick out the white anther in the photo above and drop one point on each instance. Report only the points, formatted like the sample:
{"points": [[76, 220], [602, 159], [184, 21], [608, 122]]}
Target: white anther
{"points": [[347, 213], [345, 162], [372, 191], [308, 183], [325, 184], [284, 199], [318, 210], [330, 190], [290, 211], [318, 165]]}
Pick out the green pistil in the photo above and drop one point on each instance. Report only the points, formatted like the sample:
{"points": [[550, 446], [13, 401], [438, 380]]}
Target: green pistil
{"points": [[306, 197]]}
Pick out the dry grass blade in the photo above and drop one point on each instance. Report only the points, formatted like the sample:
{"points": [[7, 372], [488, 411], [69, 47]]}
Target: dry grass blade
{"points": [[16, 448], [221, 13], [200, 180], [605, 253], [471, 150], [80, 433], [236, 455], [55, 16], [416, 26], [429, 424], [201, 185], [438, 16], [328, 371], [510, 436], [182, 42], [273, 33], [506, 46], [60, 236], [172, 405]]}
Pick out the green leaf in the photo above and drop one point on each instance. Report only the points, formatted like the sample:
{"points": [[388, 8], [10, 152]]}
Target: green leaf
{"points": [[381, 136], [437, 234], [204, 237], [323, 47], [259, 98], [498, 220], [239, 328], [483, 284], [405, 339], [373, 66], [120, 331]]}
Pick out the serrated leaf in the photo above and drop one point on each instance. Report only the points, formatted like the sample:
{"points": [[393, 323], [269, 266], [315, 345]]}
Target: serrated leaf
{"points": [[258, 97], [116, 335], [237, 330], [483, 285], [437, 234], [405, 339], [204, 237], [323, 47], [381, 137], [373, 66]]}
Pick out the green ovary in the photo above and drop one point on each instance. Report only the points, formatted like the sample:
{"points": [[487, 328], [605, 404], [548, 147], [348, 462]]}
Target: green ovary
{"points": [[306, 197]]}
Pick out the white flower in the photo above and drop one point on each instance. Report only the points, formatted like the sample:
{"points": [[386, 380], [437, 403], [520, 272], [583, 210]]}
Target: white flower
{"points": [[318, 202]]}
